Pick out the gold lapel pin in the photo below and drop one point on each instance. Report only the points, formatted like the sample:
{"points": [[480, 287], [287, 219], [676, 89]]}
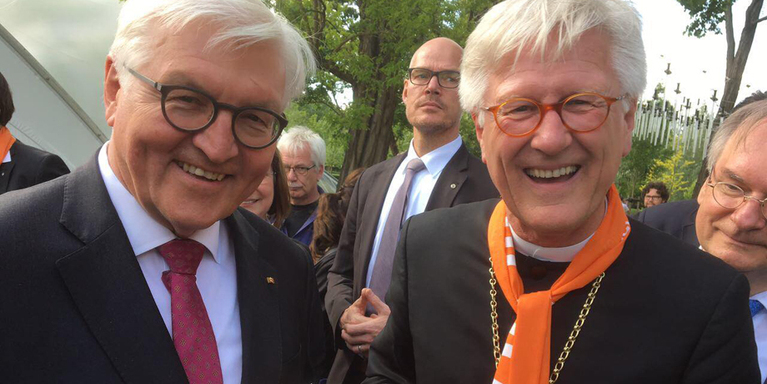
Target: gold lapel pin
{"points": [[270, 280]]}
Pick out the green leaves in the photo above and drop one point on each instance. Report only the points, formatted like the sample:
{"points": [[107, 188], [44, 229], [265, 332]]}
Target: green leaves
{"points": [[706, 15]]}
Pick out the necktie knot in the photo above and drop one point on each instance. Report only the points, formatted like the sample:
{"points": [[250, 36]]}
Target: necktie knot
{"points": [[414, 166], [755, 306], [182, 255]]}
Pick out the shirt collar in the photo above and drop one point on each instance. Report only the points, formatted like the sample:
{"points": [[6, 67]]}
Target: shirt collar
{"points": [[761, 297], [563, 254], [436, 160], [7, 158], [144, 233]]}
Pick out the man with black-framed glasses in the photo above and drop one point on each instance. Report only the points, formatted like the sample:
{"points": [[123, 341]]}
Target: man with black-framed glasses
{"points": [[437, 171], [140, 266]]}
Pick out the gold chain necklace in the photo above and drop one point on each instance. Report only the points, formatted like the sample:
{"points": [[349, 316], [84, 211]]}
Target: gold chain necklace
{"points": [[570, 340]]}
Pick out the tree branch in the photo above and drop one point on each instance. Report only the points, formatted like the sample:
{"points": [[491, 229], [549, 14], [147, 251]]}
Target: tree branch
{"points": [[730, 34]]}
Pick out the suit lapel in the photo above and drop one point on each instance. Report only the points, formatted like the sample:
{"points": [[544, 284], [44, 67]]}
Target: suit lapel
{"points": [[5, 174], [5, 170], [450, 181], [688, 230], [108, 287], [259, 305], [368, 224]]}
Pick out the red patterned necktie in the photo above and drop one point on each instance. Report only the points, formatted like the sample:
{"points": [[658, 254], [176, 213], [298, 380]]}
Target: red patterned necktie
{"points": [[192, 332]]}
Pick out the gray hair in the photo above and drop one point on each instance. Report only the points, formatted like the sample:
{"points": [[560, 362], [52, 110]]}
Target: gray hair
{"points": [[242, 24], [298, 138], [515, 25], [736, 126]]}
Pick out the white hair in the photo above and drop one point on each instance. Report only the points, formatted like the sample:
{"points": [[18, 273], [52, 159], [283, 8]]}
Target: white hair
{"points": [[298, 138], [736, 126], [242, 24], [526, 26]]}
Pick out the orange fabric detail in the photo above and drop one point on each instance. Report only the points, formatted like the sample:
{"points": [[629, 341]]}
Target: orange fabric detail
{"points": [[526, 357], [6, 141]]}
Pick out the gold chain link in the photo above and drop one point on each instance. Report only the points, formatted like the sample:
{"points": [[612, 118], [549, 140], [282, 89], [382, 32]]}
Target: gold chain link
{"points": [[570, 340]]}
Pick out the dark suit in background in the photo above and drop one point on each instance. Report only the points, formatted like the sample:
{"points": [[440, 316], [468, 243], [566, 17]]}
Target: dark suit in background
{"points": [[75, 307], [665, 313], [465, 179], [29, 166], [676, 218]]}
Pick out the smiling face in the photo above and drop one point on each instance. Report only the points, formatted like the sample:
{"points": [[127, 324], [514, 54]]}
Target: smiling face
{"points": [[430, 108], [261, 199], [737, 236], [156, 162], [553, 181]]}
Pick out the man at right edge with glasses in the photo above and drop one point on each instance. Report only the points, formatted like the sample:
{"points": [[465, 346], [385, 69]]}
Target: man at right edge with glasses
{"points": [[725, 219], [553, 283], [139, 267]]}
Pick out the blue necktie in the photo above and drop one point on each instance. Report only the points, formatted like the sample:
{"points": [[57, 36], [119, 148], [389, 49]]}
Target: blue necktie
{"points": [[755, 306]]}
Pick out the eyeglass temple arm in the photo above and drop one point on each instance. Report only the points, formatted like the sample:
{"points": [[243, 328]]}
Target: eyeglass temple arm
{"points": [[145, 79]]}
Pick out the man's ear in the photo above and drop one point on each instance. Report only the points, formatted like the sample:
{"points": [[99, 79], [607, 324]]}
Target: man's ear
{"points": [[629, 119], [404, 92], [111, 91], [480, 132]]}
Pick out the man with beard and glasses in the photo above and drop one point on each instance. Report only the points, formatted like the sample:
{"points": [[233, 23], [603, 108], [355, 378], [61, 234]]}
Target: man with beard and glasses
{"points": [[437, 171]]}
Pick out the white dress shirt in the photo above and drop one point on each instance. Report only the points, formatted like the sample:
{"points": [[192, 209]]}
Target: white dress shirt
{"points": [[7, 158], [760, 333], [420, 189], [216, 275]]}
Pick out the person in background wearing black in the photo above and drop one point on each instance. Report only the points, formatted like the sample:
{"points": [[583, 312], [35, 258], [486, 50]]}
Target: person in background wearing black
{"points": [[303, 156], [21, 165]]}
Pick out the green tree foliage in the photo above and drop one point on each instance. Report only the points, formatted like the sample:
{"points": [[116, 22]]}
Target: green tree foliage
{"points": [[635, 168], [677, 172], [365, 46], [707, 16]]}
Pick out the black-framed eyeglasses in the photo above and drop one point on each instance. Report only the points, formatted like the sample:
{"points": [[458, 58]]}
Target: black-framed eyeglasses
{"points": [[191, 110], [445, 79], [731, 196], [653, 198], [580, 113], [298, 169]]}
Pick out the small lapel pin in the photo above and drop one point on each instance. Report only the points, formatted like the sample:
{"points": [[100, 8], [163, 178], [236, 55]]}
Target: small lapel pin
{"points": [[452, 186], [270, 280]]}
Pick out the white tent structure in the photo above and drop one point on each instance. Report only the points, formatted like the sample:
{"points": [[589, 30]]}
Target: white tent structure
{"points": [[46, 116]]}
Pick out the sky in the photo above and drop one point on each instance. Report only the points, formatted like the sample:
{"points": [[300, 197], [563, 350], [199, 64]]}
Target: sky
{"points": [[71, 39]]}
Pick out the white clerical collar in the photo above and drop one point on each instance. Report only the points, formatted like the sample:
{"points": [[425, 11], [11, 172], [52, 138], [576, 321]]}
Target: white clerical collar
{"points": [[436, 160], [144, 233], [563, 254]]}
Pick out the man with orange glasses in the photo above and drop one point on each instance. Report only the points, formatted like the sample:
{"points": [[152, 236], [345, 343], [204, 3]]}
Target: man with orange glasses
{"points": [[553, 283]]}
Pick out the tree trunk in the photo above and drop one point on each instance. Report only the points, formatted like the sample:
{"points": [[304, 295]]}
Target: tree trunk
{"points": [[371, 145], [736, 64]]}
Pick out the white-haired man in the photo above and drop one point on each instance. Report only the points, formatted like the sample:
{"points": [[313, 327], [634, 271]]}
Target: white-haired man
{"points": [[303, 156], [138, 267], [553, 283], [390, 192]]}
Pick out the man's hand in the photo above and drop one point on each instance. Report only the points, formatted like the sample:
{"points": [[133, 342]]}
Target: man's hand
{"points": [[358, 330]]}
